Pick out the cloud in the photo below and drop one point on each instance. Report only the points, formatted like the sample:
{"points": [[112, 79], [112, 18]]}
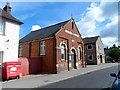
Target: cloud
{"points": [[88, 23], [109, 9], [111, 28], [26, 16], [109, 41], [95, 12], [35, 27], [86, 27], [100, 19]]}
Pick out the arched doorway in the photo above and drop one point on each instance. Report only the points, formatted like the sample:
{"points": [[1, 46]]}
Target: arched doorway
{"points": [[101, 59], [73, 58]]}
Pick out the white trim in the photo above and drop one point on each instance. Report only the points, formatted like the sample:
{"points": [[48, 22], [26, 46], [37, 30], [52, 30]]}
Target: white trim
{"points": [[77, 64], [42, 46], [64, 44], [73, 48], [80, 47], [80, 52], [57, 65], [71, 33], [58, 48]]}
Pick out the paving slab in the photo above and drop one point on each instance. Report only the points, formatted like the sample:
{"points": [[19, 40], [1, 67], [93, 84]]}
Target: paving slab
{"points": [[33, 81]]}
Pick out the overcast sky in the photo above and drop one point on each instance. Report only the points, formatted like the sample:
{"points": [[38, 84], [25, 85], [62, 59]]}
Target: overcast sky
{"points": [[92, 18]]}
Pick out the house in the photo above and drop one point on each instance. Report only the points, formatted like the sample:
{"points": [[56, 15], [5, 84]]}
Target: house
{"points": [[59, 47], [9, 35], [94, 50], [107, 57]]}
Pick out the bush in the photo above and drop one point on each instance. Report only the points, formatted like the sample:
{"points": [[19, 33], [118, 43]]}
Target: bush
{"points": [[114, 53]]}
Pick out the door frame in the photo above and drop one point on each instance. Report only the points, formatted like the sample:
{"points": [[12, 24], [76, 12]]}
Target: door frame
{"points": [[101, 60], [74, 61]]}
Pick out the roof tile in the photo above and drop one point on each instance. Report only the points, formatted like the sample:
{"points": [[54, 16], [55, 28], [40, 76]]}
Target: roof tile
{"points": [[49, 31], [90, 40], [4, 14]]}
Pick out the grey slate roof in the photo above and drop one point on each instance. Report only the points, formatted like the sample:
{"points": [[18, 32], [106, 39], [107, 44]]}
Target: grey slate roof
{"points": [[90, 40], [49, 31], [4, 14]]}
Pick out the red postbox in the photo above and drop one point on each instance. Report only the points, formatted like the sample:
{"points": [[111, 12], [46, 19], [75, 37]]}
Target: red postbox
{"points": [[11, 70]]}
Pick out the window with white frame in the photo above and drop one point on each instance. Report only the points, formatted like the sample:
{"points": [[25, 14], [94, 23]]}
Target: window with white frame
{"points": [[63, 52], [90, 57], [1, 56], [42, 48], [79, 53], [89, 47], [2, 26]]}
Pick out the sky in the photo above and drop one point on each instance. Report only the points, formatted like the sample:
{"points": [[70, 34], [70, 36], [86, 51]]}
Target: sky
{"points": [[92, 18]]}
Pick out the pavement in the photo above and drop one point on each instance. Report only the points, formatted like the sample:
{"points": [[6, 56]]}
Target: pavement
{"points": [[34, 81]]}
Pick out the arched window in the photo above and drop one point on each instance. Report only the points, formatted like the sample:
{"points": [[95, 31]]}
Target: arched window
{"points": [[63, 52], [90, 57], [79, 53]]}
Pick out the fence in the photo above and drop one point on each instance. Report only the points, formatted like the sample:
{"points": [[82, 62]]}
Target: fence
{"points": [[30, 65]]}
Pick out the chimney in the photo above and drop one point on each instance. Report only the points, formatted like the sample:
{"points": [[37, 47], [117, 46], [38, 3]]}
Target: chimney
{"points": [[7, 8]]}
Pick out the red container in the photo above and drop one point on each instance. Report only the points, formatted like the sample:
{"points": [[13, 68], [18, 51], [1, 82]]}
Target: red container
{"points": [[11, 70]]}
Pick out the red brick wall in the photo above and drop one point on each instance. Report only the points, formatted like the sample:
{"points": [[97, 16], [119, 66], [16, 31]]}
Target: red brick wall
{"points": [[25, 50], [35, 65], [35, 49], [67, 38], [53, 52], [48, 60]]}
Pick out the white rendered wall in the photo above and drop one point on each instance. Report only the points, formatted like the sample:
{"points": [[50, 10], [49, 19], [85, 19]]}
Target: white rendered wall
{"points": [[9, 42], [100, 52], [2, 43]]}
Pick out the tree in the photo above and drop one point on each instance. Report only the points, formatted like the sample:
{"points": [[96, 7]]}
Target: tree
{"points": [[114, 52], [114, 45]]}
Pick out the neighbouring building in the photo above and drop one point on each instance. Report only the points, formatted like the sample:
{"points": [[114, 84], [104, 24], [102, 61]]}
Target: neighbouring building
{"points": [[107, 57], [59, 47], [94, 50], [9, 35]]}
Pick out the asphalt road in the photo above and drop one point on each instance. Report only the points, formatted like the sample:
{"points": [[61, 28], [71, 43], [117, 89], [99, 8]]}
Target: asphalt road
{"points": [[97, 79]]}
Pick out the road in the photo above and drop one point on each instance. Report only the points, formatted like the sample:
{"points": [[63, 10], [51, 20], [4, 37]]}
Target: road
{"points": [[97, 79], [66, 79]]}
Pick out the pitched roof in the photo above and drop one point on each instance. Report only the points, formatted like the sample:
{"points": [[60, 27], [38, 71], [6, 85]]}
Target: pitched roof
{"points": [[90, 40], [49, 31], [4, 14]]}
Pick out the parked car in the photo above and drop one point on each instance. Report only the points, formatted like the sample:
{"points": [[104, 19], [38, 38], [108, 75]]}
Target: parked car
{"points": [[113, 61], [116, 83]]}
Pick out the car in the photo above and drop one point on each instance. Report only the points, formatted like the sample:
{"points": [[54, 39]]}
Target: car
{"points": [[113, 61], [116, 83]]}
